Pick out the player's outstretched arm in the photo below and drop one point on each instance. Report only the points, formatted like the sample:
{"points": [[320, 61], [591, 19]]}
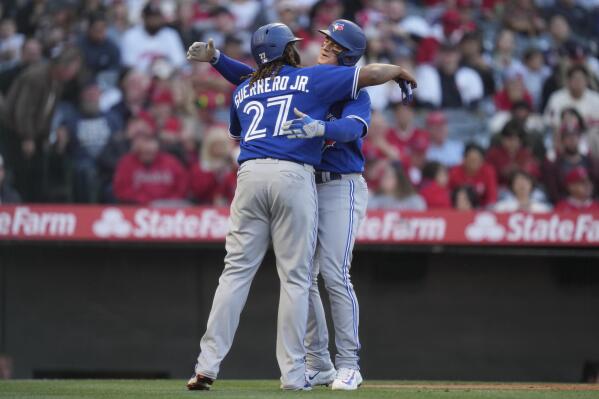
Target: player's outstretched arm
{"points": [[232, 70], [376, 74], [304, 127]]}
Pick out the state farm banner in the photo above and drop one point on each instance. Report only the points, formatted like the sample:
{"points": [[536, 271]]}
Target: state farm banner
{"points": [[209, 225]]}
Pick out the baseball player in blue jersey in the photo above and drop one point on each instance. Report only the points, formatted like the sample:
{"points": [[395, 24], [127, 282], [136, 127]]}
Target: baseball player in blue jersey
{"points": [[276, 196]]}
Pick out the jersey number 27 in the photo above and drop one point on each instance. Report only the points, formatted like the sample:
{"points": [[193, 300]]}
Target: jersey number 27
{"points": [[257, 109]]}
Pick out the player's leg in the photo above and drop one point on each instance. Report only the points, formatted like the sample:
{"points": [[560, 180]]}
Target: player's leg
{"points": [[293, 230], [246, 244], [342, 208]]}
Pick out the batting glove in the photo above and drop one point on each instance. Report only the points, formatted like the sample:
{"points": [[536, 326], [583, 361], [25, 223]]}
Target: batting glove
{"points": [[406, 91], [203, 52], [304, 127]]}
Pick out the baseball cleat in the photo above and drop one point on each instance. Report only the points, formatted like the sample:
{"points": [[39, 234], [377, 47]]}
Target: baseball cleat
{"points": [[347, 380], [318, 377], [306, 387], [199, 383]]}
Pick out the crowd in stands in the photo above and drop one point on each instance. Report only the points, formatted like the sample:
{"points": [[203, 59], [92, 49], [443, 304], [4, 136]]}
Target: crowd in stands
{"points": [[99, 104]]}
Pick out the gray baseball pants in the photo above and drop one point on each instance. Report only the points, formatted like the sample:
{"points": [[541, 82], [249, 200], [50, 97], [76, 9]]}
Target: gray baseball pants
{"points": [[274, 200], [342, 207]]}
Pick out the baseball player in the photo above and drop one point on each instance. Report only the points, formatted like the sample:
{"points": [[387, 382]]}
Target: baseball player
{"points": [[273, 196]]}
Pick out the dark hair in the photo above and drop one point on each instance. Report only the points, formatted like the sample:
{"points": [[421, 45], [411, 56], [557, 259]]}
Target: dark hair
{"points": [[513, 128], [530, 52], [404, 185], [96, 16], [431, 169], [470, 193], [577, 68], [520, 172], [581, 123], [471, 146], [520, 104], [290, 57]]}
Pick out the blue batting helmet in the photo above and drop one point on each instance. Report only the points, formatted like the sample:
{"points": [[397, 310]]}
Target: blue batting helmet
{"points": [[349, 36], [269, 42]]}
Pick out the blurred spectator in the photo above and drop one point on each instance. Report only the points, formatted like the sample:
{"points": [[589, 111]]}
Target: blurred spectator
{"points": [[504, 55], [577, 95], [448, 85], [580, 193], [472, 57], [522, 16], [118, 21], [434, 187], [8, 195], [147, 175], [11, 43], [570, 158], [511, 155], [534, 75], [31, 53], [464, 198], [29, 109], [82, 136], [100, 54], [404, 134], [213, 177], [442, 149], [161, 113], [396, 191], [135, 87], [578, 18], [377, 144], [222, 25], [245, 12], [476, 173], [6, 367], [513, 91], [145, 43], [520, 196]]}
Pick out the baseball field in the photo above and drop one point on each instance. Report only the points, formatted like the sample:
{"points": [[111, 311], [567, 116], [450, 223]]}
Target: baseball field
{"points": [[264, 389]]}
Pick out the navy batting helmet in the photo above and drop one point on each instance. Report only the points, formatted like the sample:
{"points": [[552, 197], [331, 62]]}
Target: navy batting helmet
{"points": [[269, 42], [349, 36]]}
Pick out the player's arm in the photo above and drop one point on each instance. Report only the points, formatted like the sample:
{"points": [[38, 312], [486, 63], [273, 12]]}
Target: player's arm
{"points": [[232, 70], [234, 124], [376, 74], [304, 127]]}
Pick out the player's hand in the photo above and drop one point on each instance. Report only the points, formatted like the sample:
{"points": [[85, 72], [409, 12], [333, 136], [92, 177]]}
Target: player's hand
{"points": [[202, 52], [407, 76], [304, 127], [407, 96]]}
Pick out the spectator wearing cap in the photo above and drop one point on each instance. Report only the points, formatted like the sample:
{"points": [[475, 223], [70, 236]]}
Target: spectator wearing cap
{"points": [[149, 176], [577, 95], [213, 177], [100, 54], [434, 187], [580, 193], [447, 85], [28, 112], [162, 114], [442, 149], [82, 136], [513, 90], [8, 195], [144, 43], [520, 196], [395, 191], [511, 154], [534, 75], [476, 173], [569, 158]]}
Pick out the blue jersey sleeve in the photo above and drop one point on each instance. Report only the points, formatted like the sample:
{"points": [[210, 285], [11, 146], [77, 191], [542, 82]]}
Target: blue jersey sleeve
{"points": [[234, 124], [334, 83], [232, 70], [359, 109]]}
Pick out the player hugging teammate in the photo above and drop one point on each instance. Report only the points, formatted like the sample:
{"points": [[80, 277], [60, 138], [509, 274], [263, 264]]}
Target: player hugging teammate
{"points": [[292, 188]]}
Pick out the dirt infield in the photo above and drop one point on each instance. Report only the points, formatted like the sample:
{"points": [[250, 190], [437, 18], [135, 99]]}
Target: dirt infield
{"points": [[487, 387]]}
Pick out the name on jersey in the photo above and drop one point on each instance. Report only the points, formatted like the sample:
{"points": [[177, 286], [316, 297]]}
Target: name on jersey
{"points": [[269, 85]]}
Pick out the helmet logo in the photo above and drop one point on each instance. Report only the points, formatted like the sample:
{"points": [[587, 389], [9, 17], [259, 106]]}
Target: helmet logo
{"points": [[263, 58], [337, 26]]}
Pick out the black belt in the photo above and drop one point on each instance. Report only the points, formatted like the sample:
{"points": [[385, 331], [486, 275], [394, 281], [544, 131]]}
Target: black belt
{"points": [[323, 177]]}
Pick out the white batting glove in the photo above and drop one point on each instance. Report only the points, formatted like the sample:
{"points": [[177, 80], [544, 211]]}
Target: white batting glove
{"points": [[203, 52], [304, 127]]}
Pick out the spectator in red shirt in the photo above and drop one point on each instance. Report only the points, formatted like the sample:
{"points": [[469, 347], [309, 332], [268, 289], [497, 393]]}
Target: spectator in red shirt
{"points": [[404, 135], [149, 176], [513, 91], [510, 155], [476, 173], [580, 190], [377, 144], [434, 188], [213, 177]]}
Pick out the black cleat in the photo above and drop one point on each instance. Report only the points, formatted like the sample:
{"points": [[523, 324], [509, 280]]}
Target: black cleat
{"points": [[199, 383]]}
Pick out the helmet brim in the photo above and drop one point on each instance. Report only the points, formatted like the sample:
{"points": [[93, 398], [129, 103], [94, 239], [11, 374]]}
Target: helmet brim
{"points": [[328, 34]]}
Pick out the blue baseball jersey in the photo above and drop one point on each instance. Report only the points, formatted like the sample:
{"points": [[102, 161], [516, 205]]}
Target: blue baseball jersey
{"points": [[347, 157], [258, 111]]}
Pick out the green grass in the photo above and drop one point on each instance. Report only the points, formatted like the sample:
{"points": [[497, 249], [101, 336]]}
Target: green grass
{"points": [[247, 389]]}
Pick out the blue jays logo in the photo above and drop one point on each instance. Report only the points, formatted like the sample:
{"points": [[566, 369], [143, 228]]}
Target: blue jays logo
{"points": [[338, 26], [328, 144]]}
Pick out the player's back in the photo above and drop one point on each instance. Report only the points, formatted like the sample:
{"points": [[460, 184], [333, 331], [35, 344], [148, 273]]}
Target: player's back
{"points": [[259, 110]]}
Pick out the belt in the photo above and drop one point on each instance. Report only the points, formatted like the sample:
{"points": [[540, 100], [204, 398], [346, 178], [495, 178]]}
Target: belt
{"points": [[323, 177]]}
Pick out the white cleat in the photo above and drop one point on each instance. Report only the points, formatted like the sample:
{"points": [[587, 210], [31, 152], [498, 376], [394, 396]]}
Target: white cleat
{"points": [[317, 377], [347, 380]]}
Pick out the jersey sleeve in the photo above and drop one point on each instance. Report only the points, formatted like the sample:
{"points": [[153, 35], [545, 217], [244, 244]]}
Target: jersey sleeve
{"points": [[334, 83], [359, 109], [234, 125], [232, 70]]}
